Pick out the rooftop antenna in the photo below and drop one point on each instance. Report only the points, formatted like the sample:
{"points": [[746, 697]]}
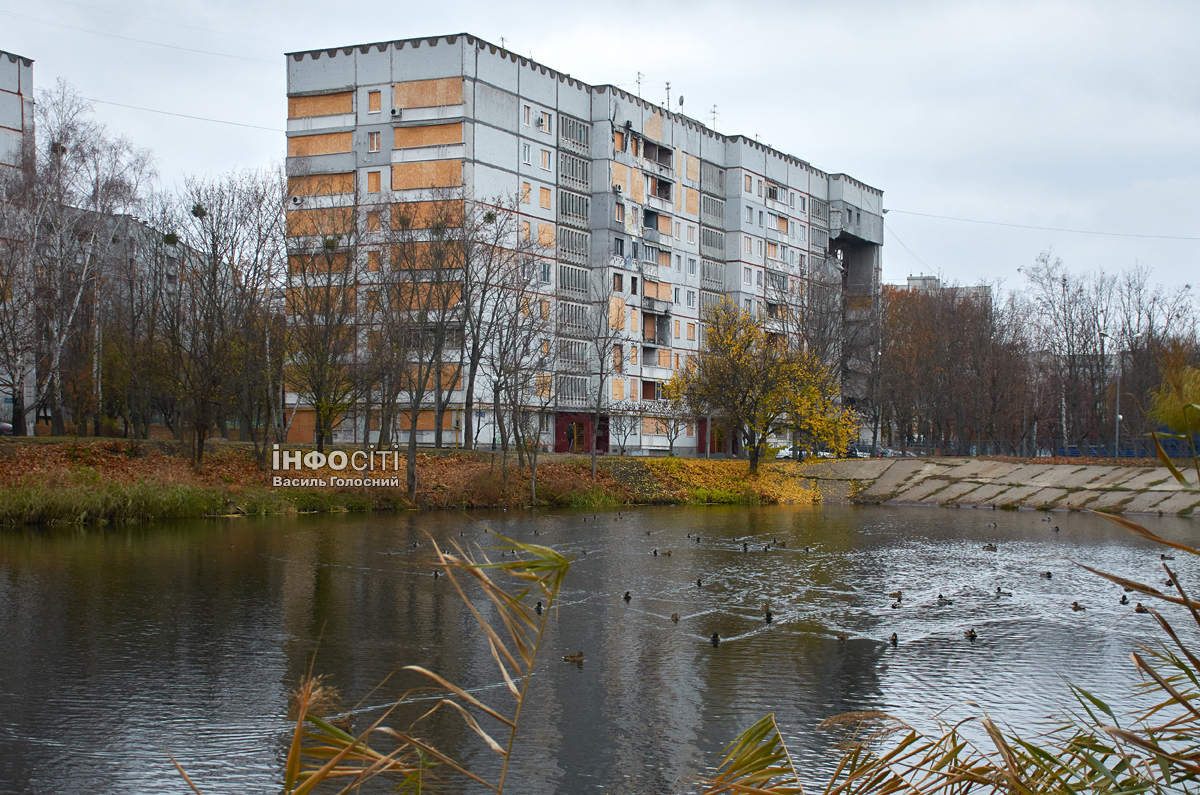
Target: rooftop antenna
{"points": [[668, 95], [503, 44], [714, 116], [639, 84]]}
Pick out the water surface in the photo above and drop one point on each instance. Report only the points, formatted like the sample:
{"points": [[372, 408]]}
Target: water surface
{"points": [[120, 643]]}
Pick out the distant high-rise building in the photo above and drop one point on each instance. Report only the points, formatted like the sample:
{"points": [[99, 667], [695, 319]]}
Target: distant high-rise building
{"points": [[667, 212]]}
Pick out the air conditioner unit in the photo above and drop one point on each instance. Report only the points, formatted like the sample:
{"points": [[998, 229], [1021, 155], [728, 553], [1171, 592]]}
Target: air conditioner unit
{"points": [[396, 113], [541, 122]]}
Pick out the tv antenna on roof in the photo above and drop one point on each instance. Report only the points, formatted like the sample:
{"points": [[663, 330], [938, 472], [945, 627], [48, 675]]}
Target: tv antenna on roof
{"points": [[639, 84], [503, 46], [714, 116], [668, 95]]}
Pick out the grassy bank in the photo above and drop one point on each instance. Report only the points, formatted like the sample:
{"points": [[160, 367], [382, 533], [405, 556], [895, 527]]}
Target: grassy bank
{"points": [[94, 481]]}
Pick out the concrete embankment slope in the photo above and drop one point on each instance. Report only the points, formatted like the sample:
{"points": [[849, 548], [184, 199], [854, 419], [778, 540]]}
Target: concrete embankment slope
{"points": [[983, 483]]}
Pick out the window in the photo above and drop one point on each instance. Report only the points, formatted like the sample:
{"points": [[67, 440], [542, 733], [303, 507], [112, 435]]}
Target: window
{"points": [[373, 182], [526, 154], [760, 187], [678, 233], [758, 278], [618, 283], [749, 214], [374, 102], [633, 285], [691, 331], [760, 248], [800, 206], [691, 234], [773, 250], [679, 263], [373, 141], [745, 276], [528, 111], [545, 272], [691, 267], [545, 160], [677, 326], [749, 305], [373, 222], [746, 245], [618, 360], [544, 122], [545, 310], [677, 334], [749, 183], [620, 217], [545, 198], [633, 354], [618, 246], [374, 258], [619, 140], [760, 217], [676, 300], [526, 189], [526, 231]]}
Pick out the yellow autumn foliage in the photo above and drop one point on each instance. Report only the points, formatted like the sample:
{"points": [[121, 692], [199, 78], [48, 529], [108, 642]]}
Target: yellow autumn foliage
{"points": [[729, 481]]}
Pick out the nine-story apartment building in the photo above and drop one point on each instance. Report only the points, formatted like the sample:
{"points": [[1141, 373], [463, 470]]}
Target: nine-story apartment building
{"points": [[639, 210]]}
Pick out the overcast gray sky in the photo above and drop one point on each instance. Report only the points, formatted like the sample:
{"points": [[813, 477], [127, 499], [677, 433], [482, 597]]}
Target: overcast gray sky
{"points": [[1071, 115]]}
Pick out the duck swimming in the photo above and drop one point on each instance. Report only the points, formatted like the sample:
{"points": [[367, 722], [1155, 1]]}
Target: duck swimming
{"points": [[575, 658], [1077, 607], [1124, 599], [1002, 593], [895, 595], [1047, 575], [675, 617], [970, 633], [716, 639], [768, 617], [699, 583], [1139, 609], [538, 608], [1166, 557], [843, 636], [893, 640], [627, 597], [989, 548], [941, 600]]}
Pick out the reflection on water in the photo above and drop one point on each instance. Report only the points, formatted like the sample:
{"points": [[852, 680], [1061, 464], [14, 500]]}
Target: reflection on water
{"points": [[120, 643]]}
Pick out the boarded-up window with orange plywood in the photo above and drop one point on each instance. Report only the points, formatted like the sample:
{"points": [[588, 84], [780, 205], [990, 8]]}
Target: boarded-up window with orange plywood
{"points": [[616, 313], [374, 260], [618, 358], [374, 182], [676, 329], [429, 174], [546, 235], [374, 101], [425, 421], [545, 197], [373, 222], [526, 231], [691, 331], [664, 259], [783, 223], [425, 215], [649, 288], [637, 187], [621, 177], [633, 349], [542, 385], [693, 201], [664, 357], [324, 222], [325, 144], [429, 93], [320, 184], [618, 390], [664, 224], [654, 425], [633, 322], [618, 141], [428, 135], [545, 310], [321, 105], [526, 189], [693, 168]]}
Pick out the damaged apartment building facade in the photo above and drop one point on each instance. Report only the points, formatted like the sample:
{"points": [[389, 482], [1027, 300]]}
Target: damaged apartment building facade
{"points": [[645, 214]]}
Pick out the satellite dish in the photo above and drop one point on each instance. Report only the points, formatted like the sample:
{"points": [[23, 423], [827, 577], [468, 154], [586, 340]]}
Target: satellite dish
{"points": [[681, 101]]}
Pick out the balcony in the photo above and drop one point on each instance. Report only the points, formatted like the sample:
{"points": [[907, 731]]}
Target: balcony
{"points": [[649, 271], [712, 276], [572, 293], [656, 306], [651, 235]]}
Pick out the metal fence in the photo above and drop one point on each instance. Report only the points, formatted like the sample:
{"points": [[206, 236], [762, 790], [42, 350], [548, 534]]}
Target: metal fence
{"points": [[1135, 448]]}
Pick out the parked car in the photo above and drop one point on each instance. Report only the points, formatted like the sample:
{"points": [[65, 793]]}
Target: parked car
{"points": [[790, 454], [5, 429]]}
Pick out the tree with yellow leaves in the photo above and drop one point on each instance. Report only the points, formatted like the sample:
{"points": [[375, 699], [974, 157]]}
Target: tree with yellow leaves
{"points": [[760, 385]]}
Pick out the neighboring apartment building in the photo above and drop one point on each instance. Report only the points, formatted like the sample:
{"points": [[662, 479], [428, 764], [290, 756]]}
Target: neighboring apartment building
{"points": [[644, 209], [16, 107]]}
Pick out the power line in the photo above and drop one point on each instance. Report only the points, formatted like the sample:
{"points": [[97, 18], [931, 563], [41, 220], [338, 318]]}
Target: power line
{"points": [[167, 22], [892, 232], [139, 41], [185, 116], [1044, 228]]}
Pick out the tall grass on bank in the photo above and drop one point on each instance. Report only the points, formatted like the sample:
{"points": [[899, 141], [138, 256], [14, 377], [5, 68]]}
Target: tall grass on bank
{"points": [[143, 501]]}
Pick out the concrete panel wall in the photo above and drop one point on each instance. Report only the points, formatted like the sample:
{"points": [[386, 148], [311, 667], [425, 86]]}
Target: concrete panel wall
{"points": [[421, 60], [10, 147], [538, 84], [10, 110], [497, 147], [323, 73], [373, 67], [496, 69], [574, 99], [496, 108], [491, 182], [10, 74]]}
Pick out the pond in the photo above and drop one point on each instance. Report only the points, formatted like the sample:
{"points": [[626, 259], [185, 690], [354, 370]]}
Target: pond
{"points": [[122, 643]]}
